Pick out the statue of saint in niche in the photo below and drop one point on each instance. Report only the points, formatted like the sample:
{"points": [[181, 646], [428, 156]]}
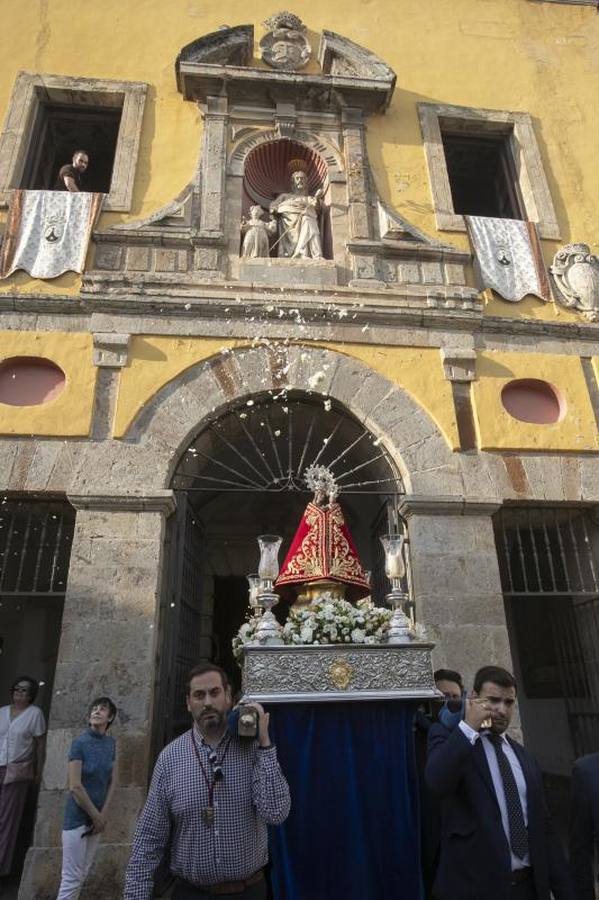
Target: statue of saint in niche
{"points": [[297, 214], [255, 242]]}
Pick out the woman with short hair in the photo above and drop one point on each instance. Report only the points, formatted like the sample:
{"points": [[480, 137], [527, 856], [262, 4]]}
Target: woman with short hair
{"points": [[22, 727], [91, 785]]}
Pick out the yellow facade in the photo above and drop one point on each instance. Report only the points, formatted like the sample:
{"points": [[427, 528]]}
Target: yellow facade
{"points": [[498, 430], [154, 361], [540, 58], [70, 414]]}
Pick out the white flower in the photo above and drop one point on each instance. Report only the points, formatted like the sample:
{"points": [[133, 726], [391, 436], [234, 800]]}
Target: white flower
{"points": [[306, 635], [369, 639], [358, 636]]}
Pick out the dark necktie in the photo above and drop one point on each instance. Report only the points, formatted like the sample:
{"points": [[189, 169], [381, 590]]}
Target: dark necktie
{"points": [[515, 816]]}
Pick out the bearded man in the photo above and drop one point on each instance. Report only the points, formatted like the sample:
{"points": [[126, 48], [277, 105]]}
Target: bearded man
{"points": [[297, 213], [211, 798]]}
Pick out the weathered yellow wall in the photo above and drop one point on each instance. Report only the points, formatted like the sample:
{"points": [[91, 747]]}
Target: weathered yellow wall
{"points": [[542, 58], [498, 430], [70, 414], [154, 361], [417, 370]]}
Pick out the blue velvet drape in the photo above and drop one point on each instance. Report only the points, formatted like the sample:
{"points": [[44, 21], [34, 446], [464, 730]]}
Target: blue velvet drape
{"points": [[353, 831]]}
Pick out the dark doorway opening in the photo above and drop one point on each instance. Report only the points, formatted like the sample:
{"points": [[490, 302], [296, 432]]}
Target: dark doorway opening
{"points": [[482, 175], [243, 476], [35, 548], [60, 130], [230, 608], [549, 566]]}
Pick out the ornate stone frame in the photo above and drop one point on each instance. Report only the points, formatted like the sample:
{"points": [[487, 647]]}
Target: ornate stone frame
{"points": [[24, 101], [195, 238], [518, 126]]}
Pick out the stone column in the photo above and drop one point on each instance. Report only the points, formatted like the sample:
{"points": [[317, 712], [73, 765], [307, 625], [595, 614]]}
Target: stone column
{"points": [[361, 234], [108, 647], [354, 145], [456, 583], [211, 232]]}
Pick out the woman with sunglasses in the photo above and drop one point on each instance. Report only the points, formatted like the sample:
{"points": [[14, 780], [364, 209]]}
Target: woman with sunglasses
{"points": [[22, 727], [91, 785]]}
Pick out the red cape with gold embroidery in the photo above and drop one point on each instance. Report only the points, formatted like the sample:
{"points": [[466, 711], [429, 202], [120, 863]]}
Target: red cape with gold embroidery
{"points": [[323, 548]]}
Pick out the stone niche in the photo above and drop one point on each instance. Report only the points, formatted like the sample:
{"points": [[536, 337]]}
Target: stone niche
{"points": [[261, 123]]}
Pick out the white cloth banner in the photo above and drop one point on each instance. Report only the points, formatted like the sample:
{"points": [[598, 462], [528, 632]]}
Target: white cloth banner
{"points": [[48, 232], [508, 257]]}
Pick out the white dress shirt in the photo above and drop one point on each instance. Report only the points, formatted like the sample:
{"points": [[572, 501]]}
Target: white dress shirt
{"points": [[514, 762]]}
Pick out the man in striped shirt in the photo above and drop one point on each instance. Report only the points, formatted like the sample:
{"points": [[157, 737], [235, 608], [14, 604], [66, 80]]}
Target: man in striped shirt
{"points": [[211, 797]]}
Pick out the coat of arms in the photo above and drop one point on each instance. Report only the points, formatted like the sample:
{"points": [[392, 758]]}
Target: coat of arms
{"points": [[54, 226], [575, 271], [285, 45]]}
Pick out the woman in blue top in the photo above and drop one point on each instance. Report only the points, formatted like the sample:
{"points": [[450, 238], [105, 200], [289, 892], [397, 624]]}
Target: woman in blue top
{"points": [[91, 785]]}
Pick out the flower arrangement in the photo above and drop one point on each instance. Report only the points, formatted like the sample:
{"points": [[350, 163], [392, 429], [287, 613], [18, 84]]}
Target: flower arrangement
{"points": [[333, 621], [327, 620], [245, 635]]}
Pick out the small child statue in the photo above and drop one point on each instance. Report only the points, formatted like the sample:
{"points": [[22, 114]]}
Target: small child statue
{"points": [[255, 242]]}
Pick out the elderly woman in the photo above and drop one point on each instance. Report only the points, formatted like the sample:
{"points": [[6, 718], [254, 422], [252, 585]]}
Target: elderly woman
{"points": [[91, 760], [22, 727]]}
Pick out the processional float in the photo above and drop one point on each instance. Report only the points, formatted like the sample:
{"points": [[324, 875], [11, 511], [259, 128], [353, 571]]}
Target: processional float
{"points": [[346, 677]]}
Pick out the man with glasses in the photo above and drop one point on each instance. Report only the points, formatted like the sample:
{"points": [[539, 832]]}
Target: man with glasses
{"points": [[214, 794]]}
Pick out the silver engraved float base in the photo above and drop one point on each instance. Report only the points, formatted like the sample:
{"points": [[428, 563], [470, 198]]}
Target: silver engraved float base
{"points": [[333, 672]]}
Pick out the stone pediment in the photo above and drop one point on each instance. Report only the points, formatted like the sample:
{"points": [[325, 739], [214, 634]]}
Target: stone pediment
{"points": [[338, 56], [263, 122], [225, 47], [219, 63]]}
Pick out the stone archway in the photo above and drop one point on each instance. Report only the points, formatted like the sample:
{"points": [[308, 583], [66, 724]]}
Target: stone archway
{"points": [[144, 461], [122, 492], [244, 475]]}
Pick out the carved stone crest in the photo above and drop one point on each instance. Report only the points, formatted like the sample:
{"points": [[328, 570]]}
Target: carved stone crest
{"points": [[575, 271], [285, 45]]}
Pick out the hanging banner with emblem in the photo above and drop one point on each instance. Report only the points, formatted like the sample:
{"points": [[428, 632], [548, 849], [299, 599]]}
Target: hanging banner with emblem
{"points": [[47, 232], [508, 257]]}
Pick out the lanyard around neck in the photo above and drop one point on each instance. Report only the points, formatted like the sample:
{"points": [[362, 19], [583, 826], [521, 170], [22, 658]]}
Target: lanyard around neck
{"points": [[210, 783]]}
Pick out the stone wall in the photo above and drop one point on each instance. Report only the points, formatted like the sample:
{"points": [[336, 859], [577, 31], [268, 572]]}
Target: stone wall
{"points": [[108, 647]]}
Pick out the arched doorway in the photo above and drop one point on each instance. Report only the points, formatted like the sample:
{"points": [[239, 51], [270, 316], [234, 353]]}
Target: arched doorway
{"points": [[243, 475]]}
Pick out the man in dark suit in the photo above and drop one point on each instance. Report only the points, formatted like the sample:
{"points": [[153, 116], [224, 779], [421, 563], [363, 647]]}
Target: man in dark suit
{"points": [[584, 824], [497, 842], [449, 683]]}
